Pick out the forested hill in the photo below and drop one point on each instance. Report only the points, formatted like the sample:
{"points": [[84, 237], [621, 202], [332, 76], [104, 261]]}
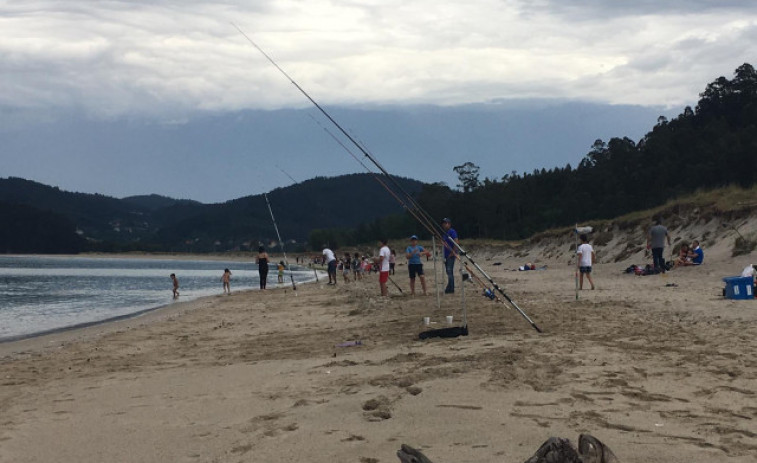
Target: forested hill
{"points": [[709, 146], [156, 223]]}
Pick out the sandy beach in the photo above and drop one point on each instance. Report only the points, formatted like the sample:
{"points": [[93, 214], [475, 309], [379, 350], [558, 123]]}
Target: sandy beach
{"points": [[660, 368]]}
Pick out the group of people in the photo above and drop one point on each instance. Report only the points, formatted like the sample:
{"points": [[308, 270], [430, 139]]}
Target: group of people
{"points": [[690, 255], [263, 264], [687, 255], [386, 260]]}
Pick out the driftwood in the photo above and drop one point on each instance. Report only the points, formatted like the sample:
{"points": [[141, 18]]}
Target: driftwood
{"points": [[554, 450]]}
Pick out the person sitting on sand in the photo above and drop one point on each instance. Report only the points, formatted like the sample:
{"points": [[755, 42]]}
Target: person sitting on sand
{"points": [[683, 255], [175, 285], [696, 254]]}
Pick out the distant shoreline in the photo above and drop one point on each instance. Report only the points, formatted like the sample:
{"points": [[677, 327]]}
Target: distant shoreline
{"points": [[145, 315]]}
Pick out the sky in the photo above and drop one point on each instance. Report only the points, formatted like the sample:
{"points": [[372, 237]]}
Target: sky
{"points": [[169, 97]]}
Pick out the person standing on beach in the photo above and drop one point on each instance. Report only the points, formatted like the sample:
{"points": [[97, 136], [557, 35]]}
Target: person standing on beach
{"points": [[175, 285], [392, 261], [414, 264], [226, 279], [330, 260], [357, 267], [450, 254], [263, 267], [383, 261], [280, 269], [346, 265], [586, 258], [656, 242]]}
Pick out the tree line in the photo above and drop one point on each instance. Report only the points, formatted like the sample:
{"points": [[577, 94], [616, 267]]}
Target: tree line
{"points": [[709, 146]]}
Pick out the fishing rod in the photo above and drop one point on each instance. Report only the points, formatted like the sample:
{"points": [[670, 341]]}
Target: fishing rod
{"points": [[281, 243], [427, 222], [285, 173]]}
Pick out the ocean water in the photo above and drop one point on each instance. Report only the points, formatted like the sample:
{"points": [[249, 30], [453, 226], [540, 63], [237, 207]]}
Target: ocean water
{"points": [[46, 293]]}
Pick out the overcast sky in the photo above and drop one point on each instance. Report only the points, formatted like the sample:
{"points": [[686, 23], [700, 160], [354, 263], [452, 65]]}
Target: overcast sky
{"points": [[122, 98]]}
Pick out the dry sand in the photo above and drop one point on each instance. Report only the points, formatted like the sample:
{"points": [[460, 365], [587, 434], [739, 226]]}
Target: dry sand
{"points": [[659, 373]]}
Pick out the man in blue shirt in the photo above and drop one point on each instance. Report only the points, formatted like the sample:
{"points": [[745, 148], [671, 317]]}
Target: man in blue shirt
{"points": [[450, 254], [698, 253], [414, 264]]}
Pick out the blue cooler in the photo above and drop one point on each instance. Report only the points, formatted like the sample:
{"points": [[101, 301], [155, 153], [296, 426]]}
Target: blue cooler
{"points": [[738, 287]]}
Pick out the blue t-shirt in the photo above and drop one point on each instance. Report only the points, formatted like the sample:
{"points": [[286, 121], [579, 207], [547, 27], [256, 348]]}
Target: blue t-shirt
{"points": [[700, 256], [449, 239], [415, 258]]}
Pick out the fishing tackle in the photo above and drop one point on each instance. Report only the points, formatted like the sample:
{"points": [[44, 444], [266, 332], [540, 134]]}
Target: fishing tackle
{"points": [[281, 243], [416, 210]]}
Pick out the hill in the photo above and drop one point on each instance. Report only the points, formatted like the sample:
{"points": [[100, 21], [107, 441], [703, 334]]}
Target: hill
{"points": [[157, 223], [154, 202]]}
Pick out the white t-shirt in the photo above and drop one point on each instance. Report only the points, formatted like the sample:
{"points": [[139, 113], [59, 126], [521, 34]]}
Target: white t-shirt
{"points": [[748, 271], [386, 254], [585, 250], [329, 255]]}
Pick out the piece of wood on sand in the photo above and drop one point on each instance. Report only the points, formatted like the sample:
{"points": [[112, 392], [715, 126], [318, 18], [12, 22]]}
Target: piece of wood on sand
{"points": [[553, 450]]}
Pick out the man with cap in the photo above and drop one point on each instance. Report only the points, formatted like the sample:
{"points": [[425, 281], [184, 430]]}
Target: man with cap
{"points": [[414, 264], [450, 253]]}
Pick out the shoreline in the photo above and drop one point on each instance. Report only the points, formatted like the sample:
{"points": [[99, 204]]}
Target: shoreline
{"points": [[140, 312]]}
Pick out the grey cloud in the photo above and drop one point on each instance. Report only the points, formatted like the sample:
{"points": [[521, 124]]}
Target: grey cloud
{"points": [[592, 10]]}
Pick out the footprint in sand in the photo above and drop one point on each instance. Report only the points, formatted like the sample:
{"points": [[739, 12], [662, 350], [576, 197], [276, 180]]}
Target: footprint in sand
{"points": [[377, 409]]}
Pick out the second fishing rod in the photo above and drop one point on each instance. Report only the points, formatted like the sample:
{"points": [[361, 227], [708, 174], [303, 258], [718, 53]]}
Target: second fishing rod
{"points": [[422, 216]]}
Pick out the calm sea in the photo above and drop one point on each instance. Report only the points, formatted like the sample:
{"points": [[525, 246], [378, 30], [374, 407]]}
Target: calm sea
{"points": [[40, 293]]}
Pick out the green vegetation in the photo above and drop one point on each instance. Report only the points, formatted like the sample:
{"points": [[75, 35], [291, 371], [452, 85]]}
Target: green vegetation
{"points": [[710, 147], [155, 223], [26, 229]]}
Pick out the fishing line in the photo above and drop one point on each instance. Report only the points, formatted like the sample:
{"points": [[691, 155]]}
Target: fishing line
{"points": [[428, 223], [281, 243]]}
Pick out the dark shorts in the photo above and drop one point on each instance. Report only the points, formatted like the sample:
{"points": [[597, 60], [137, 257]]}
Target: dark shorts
{"points": [[585, 269], [332, 266], [415, 269]]}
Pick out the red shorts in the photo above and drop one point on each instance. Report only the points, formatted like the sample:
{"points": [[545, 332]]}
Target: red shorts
{"points": [[383, 277]]}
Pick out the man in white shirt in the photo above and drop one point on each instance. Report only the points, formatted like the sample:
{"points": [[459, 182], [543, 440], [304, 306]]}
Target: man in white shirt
{"points": [[384, 254], [586, 258], [330, 259]]}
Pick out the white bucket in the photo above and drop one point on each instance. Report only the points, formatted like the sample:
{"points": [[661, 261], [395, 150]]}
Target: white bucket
{"points": [[449, 319], [426, 320]]}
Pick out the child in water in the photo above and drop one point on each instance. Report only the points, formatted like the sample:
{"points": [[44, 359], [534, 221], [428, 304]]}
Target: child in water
{"points": [[280, 268], [226, 279], [175, 285]]}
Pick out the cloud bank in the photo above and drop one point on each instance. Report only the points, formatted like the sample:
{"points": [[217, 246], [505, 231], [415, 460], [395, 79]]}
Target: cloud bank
{"points": [[169, 59]]}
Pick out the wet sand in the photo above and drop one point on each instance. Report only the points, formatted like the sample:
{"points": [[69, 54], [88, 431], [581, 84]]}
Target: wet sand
{"points": [[660, 368]]}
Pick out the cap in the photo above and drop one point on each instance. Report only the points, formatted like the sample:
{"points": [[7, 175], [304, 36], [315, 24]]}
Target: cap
{"points": [[414, 237], [446, 220]]}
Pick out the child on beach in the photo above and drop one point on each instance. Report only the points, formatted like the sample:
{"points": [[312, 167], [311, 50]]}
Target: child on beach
{"points": [[357, 267], [586, 258], [226, 279], [175, 285], [346, 267], [280, 268]]}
